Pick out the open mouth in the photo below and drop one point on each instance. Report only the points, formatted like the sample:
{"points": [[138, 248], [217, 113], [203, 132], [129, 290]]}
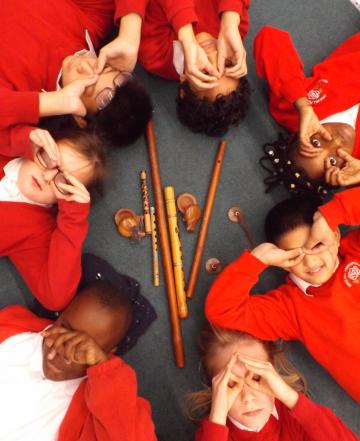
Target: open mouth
{"points": [[36, 183], [316, 271], [253, 413]]}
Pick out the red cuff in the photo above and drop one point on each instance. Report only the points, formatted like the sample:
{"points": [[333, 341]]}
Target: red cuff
{"points": [[231, 5], [20, 144], [214, 432], [74, 208], [111, 363], [184, 17], [304, 412], [294, 89], [124, 7], [248, 260]]}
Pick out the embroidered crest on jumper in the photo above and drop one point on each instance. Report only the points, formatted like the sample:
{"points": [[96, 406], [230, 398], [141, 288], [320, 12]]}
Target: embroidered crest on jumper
{"points": [[317, 94], [352, 273]]}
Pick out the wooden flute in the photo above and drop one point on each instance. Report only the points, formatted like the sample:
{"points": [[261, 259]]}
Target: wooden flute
{"points": [[200, 244], [169, 194], [165, 247], [156, 277], [146, 205]]}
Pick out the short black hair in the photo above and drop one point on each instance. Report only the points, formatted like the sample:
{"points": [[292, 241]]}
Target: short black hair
{"points": [[290, 214], [120, 123], [213, 118], [124, 119], [282, 169], [111, 297]]}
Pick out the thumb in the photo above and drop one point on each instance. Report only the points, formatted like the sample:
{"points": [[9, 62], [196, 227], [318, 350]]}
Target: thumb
{"points": [[324, 133], [211, 70], [295, 253], [221, 63], [343, 154], [100, 62], [88, 81]]}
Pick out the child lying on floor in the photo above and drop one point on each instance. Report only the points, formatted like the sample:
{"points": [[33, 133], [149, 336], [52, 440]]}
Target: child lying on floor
{"points": [[44, 205], [61, 381], [319, 303], [254, 393], [325, 153]]}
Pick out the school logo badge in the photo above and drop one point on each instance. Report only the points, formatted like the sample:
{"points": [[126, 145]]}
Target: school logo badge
{"points": [[317, 93], [352, 273]]}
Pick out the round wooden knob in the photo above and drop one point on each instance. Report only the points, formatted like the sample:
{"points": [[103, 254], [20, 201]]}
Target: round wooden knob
{"points": [[213, 266], [235, 214]]}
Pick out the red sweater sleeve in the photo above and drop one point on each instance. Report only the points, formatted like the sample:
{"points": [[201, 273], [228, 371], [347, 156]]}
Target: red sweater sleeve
{"points": [[18, 112], [209, 431], [116, 411], [124, 7], [52, 269], [319, 422], [233, 5], [179, 13], [279, 63], [343, 208], [229, 303]]}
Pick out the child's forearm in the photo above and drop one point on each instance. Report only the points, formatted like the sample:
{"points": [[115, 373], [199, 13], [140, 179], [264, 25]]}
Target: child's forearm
{"points": [[344, 208], [130, 28]]}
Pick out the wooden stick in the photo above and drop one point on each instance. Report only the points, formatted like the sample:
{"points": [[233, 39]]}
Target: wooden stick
{"points": [[145, 198], [165, 247], [169, 194], [200, 245], [156, 278]]}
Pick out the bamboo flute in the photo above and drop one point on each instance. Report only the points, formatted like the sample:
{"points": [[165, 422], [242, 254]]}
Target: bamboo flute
{"points": [[156, 279], [165, 247], [145, 198], [200, 244], [175, 241]]}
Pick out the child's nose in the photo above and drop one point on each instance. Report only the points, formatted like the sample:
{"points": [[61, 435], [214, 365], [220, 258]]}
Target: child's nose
{"points": [[247, 394], [310, 260], [49, 175]]}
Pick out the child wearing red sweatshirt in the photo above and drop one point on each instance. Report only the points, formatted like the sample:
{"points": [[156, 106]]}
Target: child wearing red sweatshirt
{"points": [[248, 398], [323, 109], [61, 380], [49, 46], [200, 43], [44, 205], [318, 304]]}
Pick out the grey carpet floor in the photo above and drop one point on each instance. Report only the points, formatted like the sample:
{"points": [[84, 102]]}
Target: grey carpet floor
{"points": [[186, 161]]}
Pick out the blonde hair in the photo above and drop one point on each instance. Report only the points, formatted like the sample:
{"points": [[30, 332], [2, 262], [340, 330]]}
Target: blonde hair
{"points": [[212, 339]]}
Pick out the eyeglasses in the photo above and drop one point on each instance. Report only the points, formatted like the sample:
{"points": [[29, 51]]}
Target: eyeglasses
{"points": [[46, 162], [104, 97]]}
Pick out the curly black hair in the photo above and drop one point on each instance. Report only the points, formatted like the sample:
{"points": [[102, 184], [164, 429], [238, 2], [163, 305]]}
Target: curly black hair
{"points": [[283, 170], [212, 117]]}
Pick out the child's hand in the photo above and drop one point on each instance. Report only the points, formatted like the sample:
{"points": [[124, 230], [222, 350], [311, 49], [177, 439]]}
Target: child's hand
{"points": [[309, 125], [270, 254], [263, 377], [75, 190], [225, 388], [42, 139], [349, 174], [75, 346], [321, 235], [70, 95], [196, 61], [230, 46]]}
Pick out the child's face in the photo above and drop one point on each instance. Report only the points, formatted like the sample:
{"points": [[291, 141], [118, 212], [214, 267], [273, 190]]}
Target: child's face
{"points": [[313, 268], [251, 408], [75, 67], [225, 85], [343, 136], [86, 315], [36, 182]]}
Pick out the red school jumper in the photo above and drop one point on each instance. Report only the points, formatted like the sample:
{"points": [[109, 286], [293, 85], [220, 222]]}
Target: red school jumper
{"points": [[36, 36], [45, 246], [307, 421], [333, 87], [163, 19], [326, 319], [105, 407]]}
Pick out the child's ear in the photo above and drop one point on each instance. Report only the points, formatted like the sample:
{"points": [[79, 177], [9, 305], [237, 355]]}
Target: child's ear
{"points": [[80, 121], [337, 235]]}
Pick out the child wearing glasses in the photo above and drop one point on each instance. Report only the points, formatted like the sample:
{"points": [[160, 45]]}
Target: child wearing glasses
{"points": [[49, 67], [44, 205]]}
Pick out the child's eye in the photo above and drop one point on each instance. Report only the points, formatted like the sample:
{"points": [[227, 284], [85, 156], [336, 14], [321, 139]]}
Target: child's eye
{"points": [[318, 245], [332, 160], [316, 143], [256, 377]]}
